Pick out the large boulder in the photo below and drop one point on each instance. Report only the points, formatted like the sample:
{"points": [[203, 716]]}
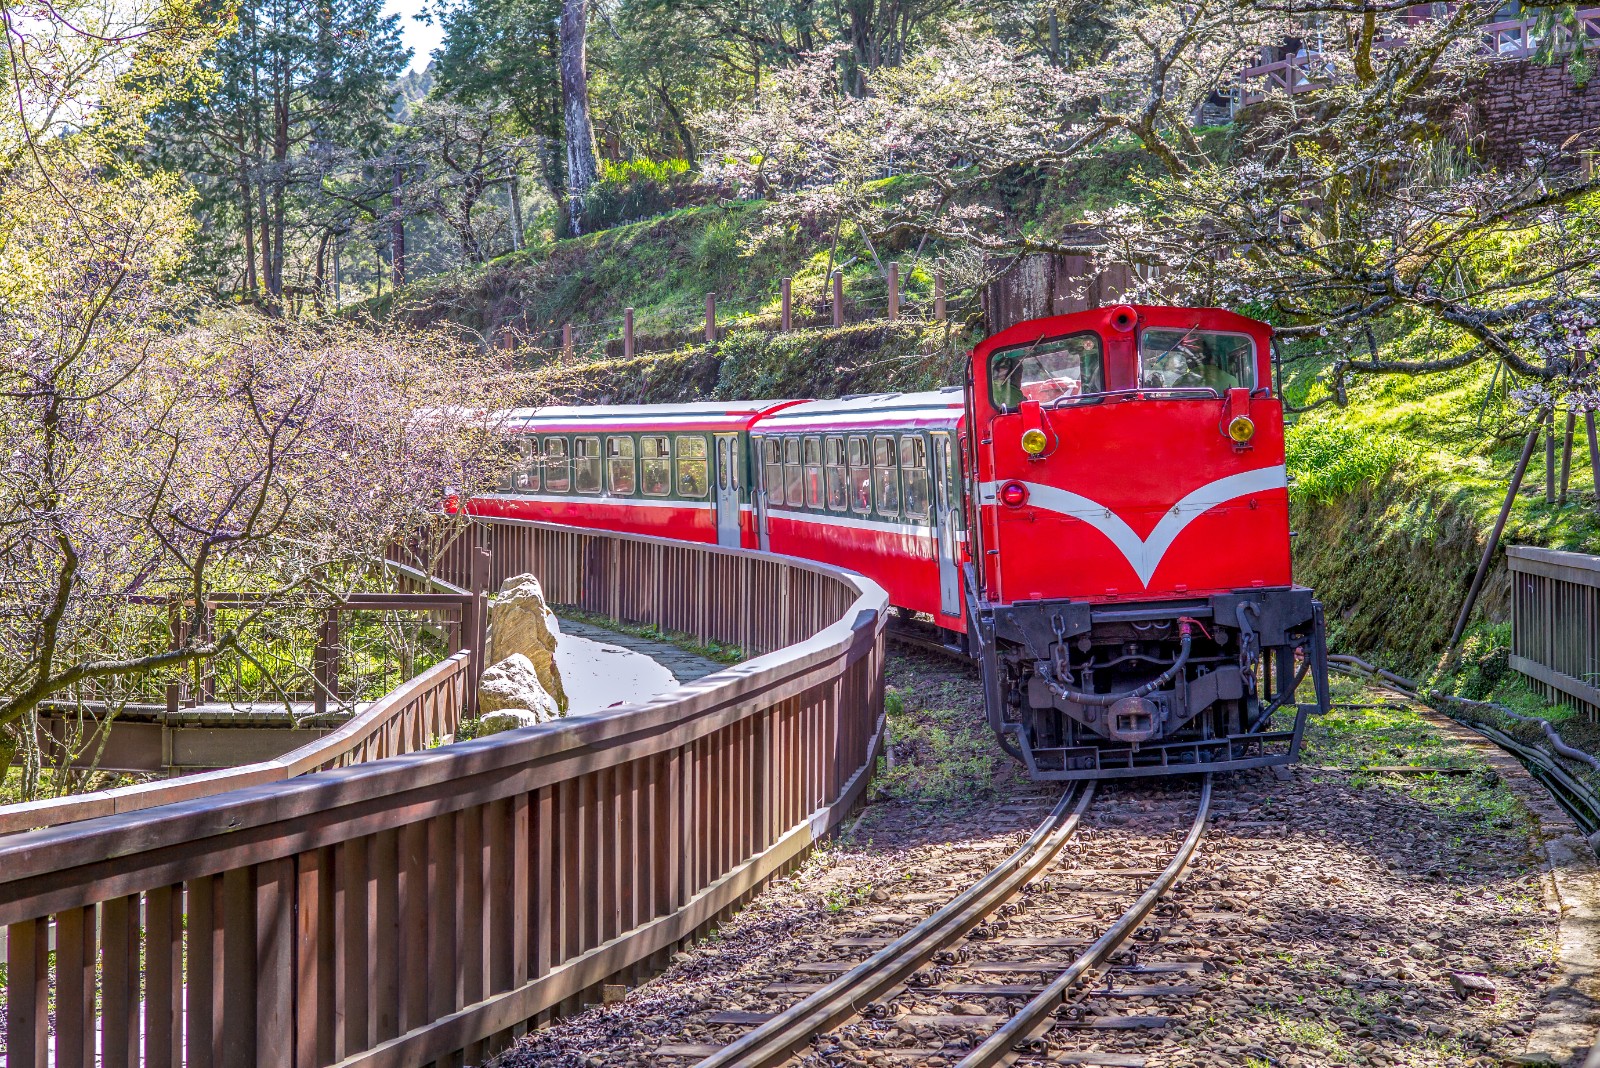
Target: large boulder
{"points": [[513, 686], [520, 623]]}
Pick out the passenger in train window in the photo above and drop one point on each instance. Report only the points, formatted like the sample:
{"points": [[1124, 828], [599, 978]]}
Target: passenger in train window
{"points": [[838, 480], [860, 476], [694, 477], [655, 453], [813, 458], [793, 479]]}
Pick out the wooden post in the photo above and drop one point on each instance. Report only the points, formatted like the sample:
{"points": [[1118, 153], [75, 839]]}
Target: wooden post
{"points": [[1594, 453], [838, 299], [711, 318], [894, 290], [1566, 456], [788, 322], [938, 297], [1494, 536], [627, 333], [566, 340]]}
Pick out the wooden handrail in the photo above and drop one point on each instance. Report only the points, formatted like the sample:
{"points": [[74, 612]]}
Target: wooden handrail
{"points": [[1555, 604], [357, 739], [426, 907]]}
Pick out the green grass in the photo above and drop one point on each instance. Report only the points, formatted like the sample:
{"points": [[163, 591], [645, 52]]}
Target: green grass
{"points": [[942, 753]]}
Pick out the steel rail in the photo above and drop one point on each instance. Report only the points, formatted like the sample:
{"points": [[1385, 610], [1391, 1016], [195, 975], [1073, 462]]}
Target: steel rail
{"points": [[1037, 1016], [775, 1040]]}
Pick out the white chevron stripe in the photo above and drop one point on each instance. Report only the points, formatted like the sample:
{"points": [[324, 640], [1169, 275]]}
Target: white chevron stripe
{"points": [[1145, 554]]}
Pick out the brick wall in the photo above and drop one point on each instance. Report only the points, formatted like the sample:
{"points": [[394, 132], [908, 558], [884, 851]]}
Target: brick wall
{"points": [[1518, 101]]}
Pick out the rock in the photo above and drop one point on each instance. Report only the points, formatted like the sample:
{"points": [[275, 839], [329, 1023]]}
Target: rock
{"points": [[513, 686], [521, 622]]}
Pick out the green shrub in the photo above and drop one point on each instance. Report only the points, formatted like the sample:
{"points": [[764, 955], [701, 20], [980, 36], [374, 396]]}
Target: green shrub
{"points": [[639, 189], [1329, 459]]}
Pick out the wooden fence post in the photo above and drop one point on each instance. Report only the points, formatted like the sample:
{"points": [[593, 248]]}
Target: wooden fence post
{"points": [[788, 322], [627, 333], [711, 318], [894, 290], [566, 340], [838, 299], [938, 298]]}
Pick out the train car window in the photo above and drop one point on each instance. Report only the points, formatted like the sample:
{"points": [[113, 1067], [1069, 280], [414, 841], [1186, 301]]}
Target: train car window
{"points": [[655, 465], [860, 477], [772, 455], [885, 476], [813, 458], [623, 468], [556, 478], [693, 477], [1046, 370], [1196, 359], [793, 477], [914, 473], [838, 490], [586, 465], [526, 479]]}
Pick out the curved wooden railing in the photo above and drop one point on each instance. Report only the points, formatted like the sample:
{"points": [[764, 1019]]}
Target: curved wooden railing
{"points": [[427, 907]]}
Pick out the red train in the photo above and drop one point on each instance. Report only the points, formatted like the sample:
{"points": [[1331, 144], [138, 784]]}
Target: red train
{"points": [[1100, 518]]}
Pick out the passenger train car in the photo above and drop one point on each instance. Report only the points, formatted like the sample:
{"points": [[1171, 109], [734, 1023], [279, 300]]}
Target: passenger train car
{"points": [[1099, 517]]}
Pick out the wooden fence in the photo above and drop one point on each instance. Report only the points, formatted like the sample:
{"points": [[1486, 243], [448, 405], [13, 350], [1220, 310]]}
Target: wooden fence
{"points": [[1555, 623], [428, 907]]}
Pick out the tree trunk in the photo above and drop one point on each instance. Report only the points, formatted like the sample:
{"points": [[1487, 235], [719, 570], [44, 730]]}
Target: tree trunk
{"points": [[516, 213], [249, 226], [397, 229], [679, 126], [581, 167]]}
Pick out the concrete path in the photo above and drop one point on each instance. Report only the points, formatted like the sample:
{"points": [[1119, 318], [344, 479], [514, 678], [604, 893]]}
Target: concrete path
{"points": [[685, 666]]}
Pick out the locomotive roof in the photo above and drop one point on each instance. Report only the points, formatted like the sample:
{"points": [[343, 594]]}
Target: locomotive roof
{"points": [[701, 415], [939, 408]]}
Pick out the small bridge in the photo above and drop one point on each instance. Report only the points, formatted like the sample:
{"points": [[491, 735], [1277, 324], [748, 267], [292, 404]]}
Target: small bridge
{"points": [[330, 908]]}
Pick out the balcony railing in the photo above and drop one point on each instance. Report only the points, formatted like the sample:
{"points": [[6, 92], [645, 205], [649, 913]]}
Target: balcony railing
{"points": [[1512, 39]]}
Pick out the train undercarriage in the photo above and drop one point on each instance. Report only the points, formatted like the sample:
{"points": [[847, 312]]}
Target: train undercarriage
{"points": [[1093, 691]]}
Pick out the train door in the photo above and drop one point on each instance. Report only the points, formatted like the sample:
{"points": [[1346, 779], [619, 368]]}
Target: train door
{"points": [[758, 492], [946, 532], [728, 490]]}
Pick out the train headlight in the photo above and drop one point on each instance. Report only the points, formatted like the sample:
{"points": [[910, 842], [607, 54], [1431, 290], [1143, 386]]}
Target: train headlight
{"points": [[1034, 441], [1241, 429], [1014, 494]]}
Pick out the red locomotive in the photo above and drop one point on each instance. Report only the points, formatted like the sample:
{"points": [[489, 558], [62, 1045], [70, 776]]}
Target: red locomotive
{"points": [[1100, 518]]}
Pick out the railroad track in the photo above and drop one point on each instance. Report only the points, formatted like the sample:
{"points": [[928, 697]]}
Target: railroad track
{"points": [[947, 939]]}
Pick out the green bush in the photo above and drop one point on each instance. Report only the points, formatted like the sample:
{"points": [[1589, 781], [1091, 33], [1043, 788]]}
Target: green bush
{"points": [[640, 189], [1328, 459]]}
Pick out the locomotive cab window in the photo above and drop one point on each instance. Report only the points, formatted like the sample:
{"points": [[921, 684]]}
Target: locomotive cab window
{"points": [[837, 475], [619, 451], [1046, 370], [586, 465], [693, 477], [813, 458], [885, 476], [914, 472], [655, 465], [556, 479], [860, 476], [793, 478], [1196, 359]]}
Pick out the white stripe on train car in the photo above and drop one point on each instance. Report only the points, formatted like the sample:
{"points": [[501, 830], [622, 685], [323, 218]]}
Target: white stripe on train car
{"points": [[1145, 554]]}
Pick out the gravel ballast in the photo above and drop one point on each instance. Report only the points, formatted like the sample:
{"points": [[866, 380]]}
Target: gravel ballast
{"points": [[1381, 904]]}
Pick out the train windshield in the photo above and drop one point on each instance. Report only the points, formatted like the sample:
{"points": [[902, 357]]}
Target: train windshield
{"points": [[1047, 370], [1196, 359]]}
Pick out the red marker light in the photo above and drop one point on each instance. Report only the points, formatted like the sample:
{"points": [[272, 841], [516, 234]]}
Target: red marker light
{"points": [[1014, 494]]}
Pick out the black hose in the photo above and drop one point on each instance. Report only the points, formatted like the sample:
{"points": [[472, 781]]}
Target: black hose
{"points": [[1103, 699]]}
